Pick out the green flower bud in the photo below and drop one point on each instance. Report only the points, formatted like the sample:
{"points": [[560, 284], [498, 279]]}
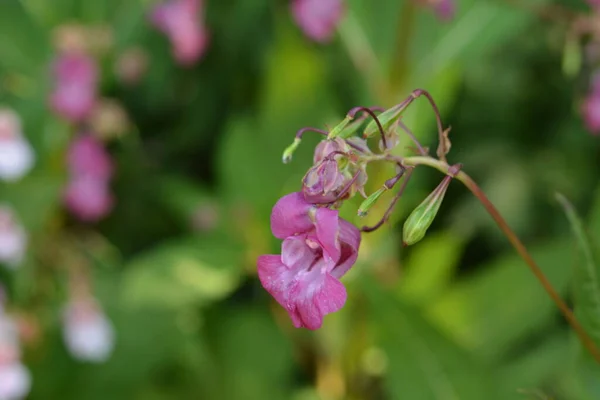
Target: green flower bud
{"points": [[420, 218], [335, 132], [386, 118], [289, 151], [366, 205]]}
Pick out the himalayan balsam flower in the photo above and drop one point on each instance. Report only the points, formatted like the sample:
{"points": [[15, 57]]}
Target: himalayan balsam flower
{"points": [[444, 9], [183, 22], [13, 239], [591, 113], [318, 249], [16, 155], [318, 19], [88, 198], [75, 85], [88, 193], [88, 334], [15, 380], [87, 156]]}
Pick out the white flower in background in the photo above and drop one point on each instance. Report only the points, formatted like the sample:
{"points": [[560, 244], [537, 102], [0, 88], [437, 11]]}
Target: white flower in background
{"points": [[88, 334], [15, 380], [16, 154], [13, 238]]}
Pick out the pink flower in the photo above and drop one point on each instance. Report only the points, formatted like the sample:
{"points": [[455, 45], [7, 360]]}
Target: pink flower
{"points": [[13, 238], [319, 248], [88, 334], [16, 155], [15, 380], [87, 156], [444, 9], [183, 22], [89, 198], [75, 80], [318, 19]]}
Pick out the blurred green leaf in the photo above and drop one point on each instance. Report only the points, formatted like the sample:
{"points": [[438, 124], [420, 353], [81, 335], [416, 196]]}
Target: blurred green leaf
{"points": [[253, 356], [185, 271], [23, 44], [482, 314], [586, 283], [431, 265], [422, 362]]}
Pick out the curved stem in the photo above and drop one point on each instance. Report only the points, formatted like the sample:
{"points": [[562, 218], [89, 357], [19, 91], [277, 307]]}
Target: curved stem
{"points": [[518, 245], [353, 112]]}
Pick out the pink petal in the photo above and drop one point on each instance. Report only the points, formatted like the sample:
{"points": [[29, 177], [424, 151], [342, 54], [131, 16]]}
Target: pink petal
{"points": [[274, 277], [591, 113], [295, 253], [318, 19], [87, 156], [324, 297], [290, 216], [327, 224], [88, 199], [349, 237]]}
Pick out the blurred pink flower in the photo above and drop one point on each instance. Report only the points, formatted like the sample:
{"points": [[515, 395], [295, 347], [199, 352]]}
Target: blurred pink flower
{"points": [[87, 156], [183, 22], [16, 155], [88, 334], [13, 239], [88, 198], [318, 19], [75, 85], [591, 113], [319, 248], [445, 9], [15, 380]]}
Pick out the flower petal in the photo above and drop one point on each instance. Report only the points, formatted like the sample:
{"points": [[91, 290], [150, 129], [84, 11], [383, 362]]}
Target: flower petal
{"points": [[322, 298], [296, 254], [275, 277], [327, 224], [290, 216], [349, 237]]}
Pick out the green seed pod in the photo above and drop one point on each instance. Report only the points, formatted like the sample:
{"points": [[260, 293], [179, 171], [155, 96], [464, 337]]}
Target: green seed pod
{"points": [[335, 132], [420, 218]]}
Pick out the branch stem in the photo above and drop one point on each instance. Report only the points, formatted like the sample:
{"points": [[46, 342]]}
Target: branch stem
{"points": [[517, 244]]}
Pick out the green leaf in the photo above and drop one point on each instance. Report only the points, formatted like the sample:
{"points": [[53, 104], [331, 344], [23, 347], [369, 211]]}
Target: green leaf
{"points": [[422, 362], [23, 45], [181, 272], [482, 314], [586, 285], [431, 265]]}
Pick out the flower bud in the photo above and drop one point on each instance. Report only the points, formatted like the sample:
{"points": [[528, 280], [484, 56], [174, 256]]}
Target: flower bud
{"points": [[326, 147], [337, 130], [366, 205], [289, 151], [420, 218], [386, 118], [323, 182]]}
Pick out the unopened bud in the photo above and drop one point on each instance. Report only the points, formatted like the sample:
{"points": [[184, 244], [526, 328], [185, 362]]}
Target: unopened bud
{"points": [[335, 132], [420, 218], [368, 203], [289, 151]]}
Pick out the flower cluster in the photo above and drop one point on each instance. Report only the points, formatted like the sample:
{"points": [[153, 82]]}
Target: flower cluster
{"points": [[90, 169], [318, 246], [183, 22]]}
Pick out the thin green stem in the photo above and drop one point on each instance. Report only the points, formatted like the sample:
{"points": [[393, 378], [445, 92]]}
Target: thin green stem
{"points": [[517, 244]]}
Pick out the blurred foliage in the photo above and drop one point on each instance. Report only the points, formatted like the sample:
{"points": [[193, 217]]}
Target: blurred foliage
{"points": [[458, 316]]}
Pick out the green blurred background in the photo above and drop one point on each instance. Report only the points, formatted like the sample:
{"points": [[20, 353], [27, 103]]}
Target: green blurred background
{"points": [[457, 316]]}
